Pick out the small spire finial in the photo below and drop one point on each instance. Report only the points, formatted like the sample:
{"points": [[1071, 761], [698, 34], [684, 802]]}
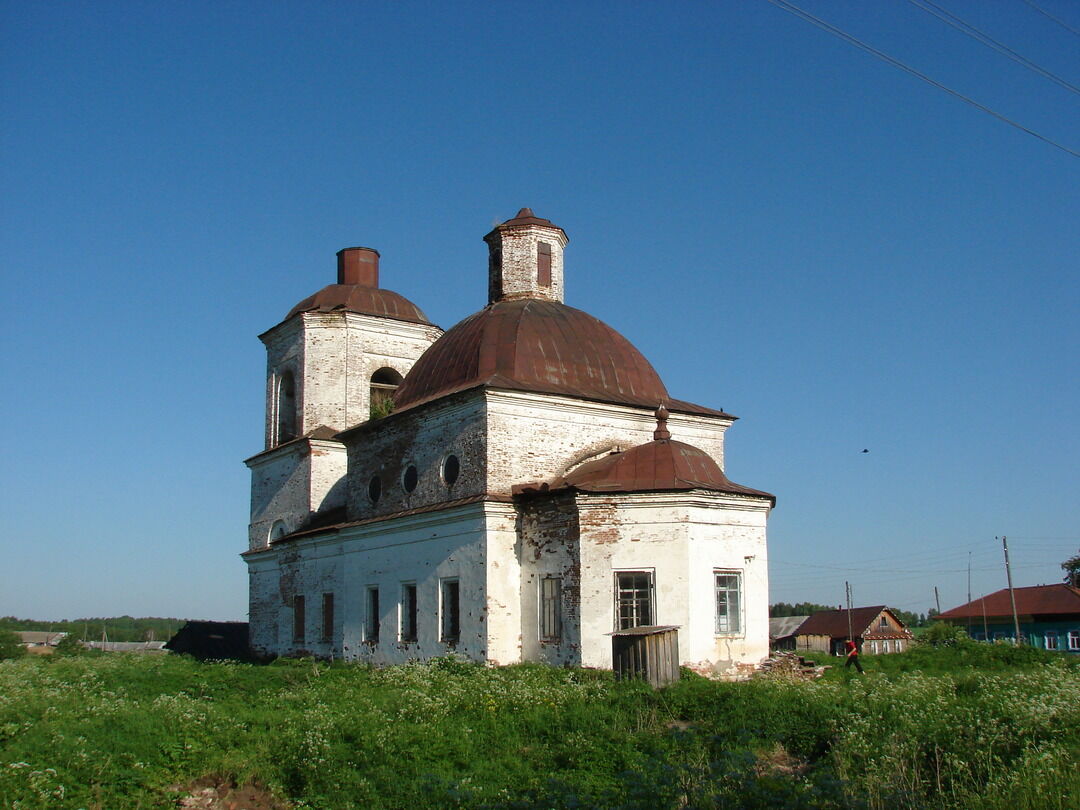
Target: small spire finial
{"points": [[524, 212], [661, 431]]}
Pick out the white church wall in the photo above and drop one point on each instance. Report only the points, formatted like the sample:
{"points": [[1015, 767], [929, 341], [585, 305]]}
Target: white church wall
{"points": [[340, 351], [548, 529], [727, 534], [425, 550], [284, 354], [537, 437], [290, 483], [625, 533]]}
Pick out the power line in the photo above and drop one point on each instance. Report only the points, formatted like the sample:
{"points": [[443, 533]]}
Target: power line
{"points": [[1045, 13], [987, 40], [810, 18]]}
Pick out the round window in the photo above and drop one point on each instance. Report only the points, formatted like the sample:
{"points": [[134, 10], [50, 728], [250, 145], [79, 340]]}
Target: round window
{"points": [[410, 479], [374, 488], [450, 469]]}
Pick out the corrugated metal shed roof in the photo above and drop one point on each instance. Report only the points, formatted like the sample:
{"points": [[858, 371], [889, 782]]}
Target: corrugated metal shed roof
{"points": [[784, 626]]}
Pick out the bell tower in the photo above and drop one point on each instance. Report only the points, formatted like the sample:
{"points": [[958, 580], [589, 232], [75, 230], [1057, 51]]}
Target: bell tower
{"points": [[331, 364]]}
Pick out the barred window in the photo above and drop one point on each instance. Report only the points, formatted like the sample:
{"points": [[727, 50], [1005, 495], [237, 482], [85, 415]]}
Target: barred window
{"points": [[550, 609], [728, 601], [634, 599]]}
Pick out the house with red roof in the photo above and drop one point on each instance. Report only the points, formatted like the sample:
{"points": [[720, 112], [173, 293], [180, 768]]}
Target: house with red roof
{"points": [[1049, 616]]}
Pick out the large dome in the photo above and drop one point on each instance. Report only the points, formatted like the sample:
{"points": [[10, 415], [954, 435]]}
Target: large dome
{"points": [[362, 299], [534, 345]]}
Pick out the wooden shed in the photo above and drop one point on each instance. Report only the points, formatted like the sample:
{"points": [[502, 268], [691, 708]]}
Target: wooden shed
{"points": [[649, 652]]}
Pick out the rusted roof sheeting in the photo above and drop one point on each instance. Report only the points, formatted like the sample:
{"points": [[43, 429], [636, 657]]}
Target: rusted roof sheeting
{"points": [[362, 299], [656, 466], [834, 623], [1035, 600], [534, 345]]}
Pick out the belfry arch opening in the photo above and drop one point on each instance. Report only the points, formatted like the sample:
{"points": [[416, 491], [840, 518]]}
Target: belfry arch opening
{"points": [[383, 384], [286, 408]]}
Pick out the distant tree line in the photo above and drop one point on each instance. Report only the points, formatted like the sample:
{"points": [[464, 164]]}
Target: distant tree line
{"points": [[781, 609], [117, 628]]}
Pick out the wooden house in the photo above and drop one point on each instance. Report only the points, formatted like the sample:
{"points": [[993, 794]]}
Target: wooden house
{"points": [[876, 630]]}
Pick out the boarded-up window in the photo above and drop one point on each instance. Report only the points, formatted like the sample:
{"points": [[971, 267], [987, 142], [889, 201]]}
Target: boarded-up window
{"points": [[298, 619], [550, 609], [543, 264], [327, 616], [408, 611], [451, 610], [634, 599]]}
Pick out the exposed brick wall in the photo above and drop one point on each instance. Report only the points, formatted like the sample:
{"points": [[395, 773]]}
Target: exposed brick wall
{"points": [[422, 437], [512, 265]]}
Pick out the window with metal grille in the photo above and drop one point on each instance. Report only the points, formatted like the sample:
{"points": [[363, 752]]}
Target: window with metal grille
{"points": [[371, 615], [298, 619], [408, 611], [450, 593], [634, 599], [728, 601], [550, 609], [327, 617]]}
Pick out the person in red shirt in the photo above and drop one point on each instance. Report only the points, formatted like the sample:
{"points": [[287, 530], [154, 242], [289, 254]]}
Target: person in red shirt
{"points": [[852, 655]]}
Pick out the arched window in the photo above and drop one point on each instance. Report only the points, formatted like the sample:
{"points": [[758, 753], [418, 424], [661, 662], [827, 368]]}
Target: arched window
{"points": [[278, 530], [286, 403], [383, 384]]}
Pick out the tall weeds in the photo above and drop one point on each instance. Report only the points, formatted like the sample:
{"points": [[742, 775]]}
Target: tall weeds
{"points": [[121, 731]]}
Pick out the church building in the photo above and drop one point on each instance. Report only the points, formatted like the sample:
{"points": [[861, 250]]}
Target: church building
{"points": [[517, 488]]}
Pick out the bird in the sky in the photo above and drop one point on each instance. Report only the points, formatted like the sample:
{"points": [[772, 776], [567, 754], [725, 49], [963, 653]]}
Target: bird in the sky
{"points": [[865, 450]]}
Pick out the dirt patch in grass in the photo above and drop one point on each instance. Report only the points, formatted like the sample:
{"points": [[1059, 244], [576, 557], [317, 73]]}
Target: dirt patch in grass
{"points": [[222, 793]]}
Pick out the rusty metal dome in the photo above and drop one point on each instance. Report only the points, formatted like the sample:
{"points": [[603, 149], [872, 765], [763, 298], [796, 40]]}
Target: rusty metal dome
{"points": [[362, 299], [655, 466], [534, 345]]}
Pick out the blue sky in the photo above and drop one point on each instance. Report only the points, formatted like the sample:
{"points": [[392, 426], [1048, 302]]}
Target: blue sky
{"points": [[788, 228]]}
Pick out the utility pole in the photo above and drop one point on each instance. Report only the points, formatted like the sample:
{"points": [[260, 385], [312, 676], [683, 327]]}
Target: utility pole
{"points": [[969, 596], [1012, 596], [847, 590], [937, 600]]}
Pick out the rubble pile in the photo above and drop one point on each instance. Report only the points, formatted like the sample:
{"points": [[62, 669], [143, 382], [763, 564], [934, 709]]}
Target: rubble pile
{"points": [[789, 665]]}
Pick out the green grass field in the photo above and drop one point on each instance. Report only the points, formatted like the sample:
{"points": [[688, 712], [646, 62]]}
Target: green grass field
{"points": [[961, 727]]}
